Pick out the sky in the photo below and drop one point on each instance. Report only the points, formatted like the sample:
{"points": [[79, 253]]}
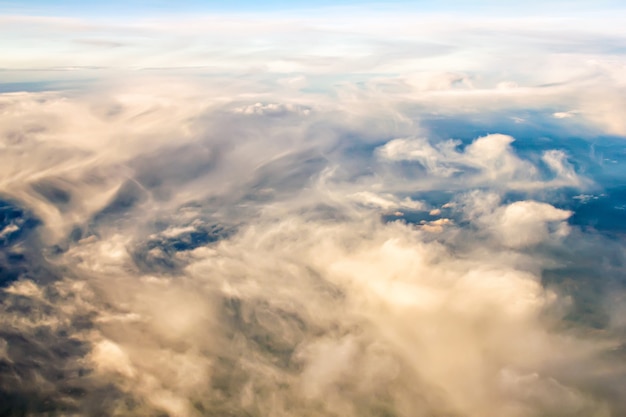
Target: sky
{"points": [[143, 7], [297, 209]]}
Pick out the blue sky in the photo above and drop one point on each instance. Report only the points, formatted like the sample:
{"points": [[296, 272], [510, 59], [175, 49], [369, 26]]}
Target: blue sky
{"points": [[153, 7]]}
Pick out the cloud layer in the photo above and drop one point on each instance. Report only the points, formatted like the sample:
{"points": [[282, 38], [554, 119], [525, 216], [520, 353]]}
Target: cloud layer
{"points": [[308, 239]]}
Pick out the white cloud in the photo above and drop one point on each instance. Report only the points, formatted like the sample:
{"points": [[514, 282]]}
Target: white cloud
{"points": [[272, 109], [519, 224], [386, 202], [109, 357], [526, 223], [488, 160], [8, 230], [562, 115]]}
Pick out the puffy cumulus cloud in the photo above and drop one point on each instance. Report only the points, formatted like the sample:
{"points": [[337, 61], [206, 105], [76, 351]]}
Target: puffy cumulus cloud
{"points": [[487, 161], [519, 224]]}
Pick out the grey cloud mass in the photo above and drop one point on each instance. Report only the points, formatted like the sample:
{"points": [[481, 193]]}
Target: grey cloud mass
{"points": [[292, 243]]}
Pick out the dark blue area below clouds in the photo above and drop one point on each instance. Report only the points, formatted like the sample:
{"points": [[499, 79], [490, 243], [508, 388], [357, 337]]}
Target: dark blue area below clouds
{"points": [[16, 227], [158, 253], [605, 212]]}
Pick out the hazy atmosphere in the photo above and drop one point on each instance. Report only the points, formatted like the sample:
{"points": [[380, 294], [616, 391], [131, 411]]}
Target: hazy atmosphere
{"points": [[351, 209]]}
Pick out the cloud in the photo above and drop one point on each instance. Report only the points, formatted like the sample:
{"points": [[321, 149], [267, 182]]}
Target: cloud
{"points": [[386, 202], [563, 115], [302, 235], [206, 283], [271, 109], [488, 160], [519, 224]]}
